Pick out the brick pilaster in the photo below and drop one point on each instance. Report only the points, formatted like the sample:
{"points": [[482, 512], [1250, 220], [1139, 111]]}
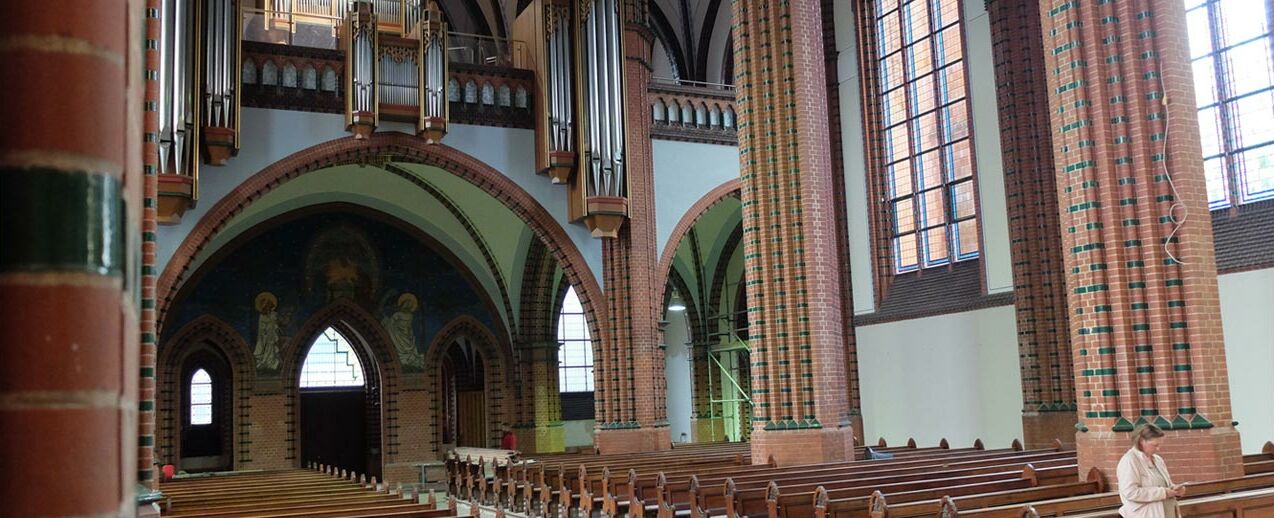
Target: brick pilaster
{"points": [[830, 58], [1035, 234], [631, 406], [538, 417], [801, 412], [70, 227], [1145, 319]]}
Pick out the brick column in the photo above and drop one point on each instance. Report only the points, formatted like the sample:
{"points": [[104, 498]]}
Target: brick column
{"points": [[1035, 234], [1142, 291], [148, 344], [538, 419], [70, 213], [542, 432], [801, 411], [631, 410], [830, 58]]}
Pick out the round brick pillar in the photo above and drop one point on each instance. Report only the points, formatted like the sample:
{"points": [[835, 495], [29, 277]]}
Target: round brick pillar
{"points": [[70, 191]]}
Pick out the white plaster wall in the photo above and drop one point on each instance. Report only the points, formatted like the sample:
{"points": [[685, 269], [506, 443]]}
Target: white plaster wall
{"points": [[953, 376], [855, 165], [1247, 320], [684, 173], [271, 135], [986, 141], [578, 433], [677, 371]]}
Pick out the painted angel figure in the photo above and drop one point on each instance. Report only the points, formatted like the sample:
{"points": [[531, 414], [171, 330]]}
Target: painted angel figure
{"points": [[398, 325], [267, 348]]}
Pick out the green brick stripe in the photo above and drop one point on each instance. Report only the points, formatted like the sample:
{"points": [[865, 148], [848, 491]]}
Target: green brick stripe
{"points": [[61, 221]]}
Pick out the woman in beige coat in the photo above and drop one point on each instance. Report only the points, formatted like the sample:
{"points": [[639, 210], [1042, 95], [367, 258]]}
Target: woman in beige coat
{"points": [[1145, 488]]}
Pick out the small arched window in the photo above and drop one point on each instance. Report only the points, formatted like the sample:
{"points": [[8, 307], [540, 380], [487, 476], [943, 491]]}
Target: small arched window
{"points": [[519, 98], [200, 398], [331, 362]]}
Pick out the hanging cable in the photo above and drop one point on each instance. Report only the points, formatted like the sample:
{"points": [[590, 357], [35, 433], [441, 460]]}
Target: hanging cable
{"points": [[1176, 196]]}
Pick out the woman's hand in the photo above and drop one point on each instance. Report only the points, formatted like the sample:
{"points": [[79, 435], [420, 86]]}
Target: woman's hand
{"points": [[1177, 491]]}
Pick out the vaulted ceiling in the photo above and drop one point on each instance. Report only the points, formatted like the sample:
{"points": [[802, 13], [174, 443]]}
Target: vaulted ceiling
{"points": [[693, 40]]}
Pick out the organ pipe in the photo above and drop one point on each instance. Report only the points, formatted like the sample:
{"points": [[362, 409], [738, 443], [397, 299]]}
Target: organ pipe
{"points": [[604, 184], [362, 104], [560, 104], [603, 85], [177, 67], [220, 81], [434, 110]]}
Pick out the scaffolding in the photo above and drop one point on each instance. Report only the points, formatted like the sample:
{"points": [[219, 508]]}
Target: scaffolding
{"points": [[729, 372]]}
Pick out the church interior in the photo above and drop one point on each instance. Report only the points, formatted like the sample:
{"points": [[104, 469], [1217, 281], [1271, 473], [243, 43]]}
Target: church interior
{"points": [[623, 258]]}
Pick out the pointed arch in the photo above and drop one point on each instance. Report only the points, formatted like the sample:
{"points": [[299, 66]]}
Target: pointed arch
{"points": [[202, 334], [496, 366], [716, 195], [406, 148], [375, 350]]}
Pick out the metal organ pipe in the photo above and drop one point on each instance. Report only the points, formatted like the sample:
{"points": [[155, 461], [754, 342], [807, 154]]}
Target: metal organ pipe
{"points": [[616, 116], [176, 79], [594, 106], [560, 73]]}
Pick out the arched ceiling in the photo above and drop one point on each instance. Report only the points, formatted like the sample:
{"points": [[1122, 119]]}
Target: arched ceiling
{"points": [[708, 245], [480, 231], [692, 39], [484, 17]]}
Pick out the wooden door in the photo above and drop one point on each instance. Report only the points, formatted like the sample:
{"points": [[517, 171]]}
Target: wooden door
{"points": [[471, 418]]}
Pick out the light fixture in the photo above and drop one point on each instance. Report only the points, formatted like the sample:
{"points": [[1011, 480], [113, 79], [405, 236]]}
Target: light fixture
{"points": [[675, 303]]}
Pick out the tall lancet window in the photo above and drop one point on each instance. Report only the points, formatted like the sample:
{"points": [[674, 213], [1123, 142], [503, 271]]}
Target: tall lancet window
{"points": [[575, 357], [921, 127]]}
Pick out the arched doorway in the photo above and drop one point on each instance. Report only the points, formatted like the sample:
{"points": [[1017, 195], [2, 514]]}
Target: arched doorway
{"points": [[708, 360], [339, 404], [464, 399], [207, 411]]}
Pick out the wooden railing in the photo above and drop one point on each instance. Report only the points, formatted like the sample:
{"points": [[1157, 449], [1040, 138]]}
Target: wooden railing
{"points": [[693, 111]]}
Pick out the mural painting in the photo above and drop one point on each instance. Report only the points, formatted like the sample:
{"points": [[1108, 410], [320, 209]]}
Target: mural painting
{"points": [[269, 285]]}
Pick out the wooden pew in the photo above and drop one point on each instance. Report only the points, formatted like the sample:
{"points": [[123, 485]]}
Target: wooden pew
{"points": [[530, 482], [928, 503], [318, 493], [674, 495], [749, 494], [767, 501]]}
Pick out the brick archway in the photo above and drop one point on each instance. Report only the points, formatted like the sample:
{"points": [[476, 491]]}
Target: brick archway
{"points": [[380, 364], [218, 336], [716, 195], [401, 147], [496, 374]]}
